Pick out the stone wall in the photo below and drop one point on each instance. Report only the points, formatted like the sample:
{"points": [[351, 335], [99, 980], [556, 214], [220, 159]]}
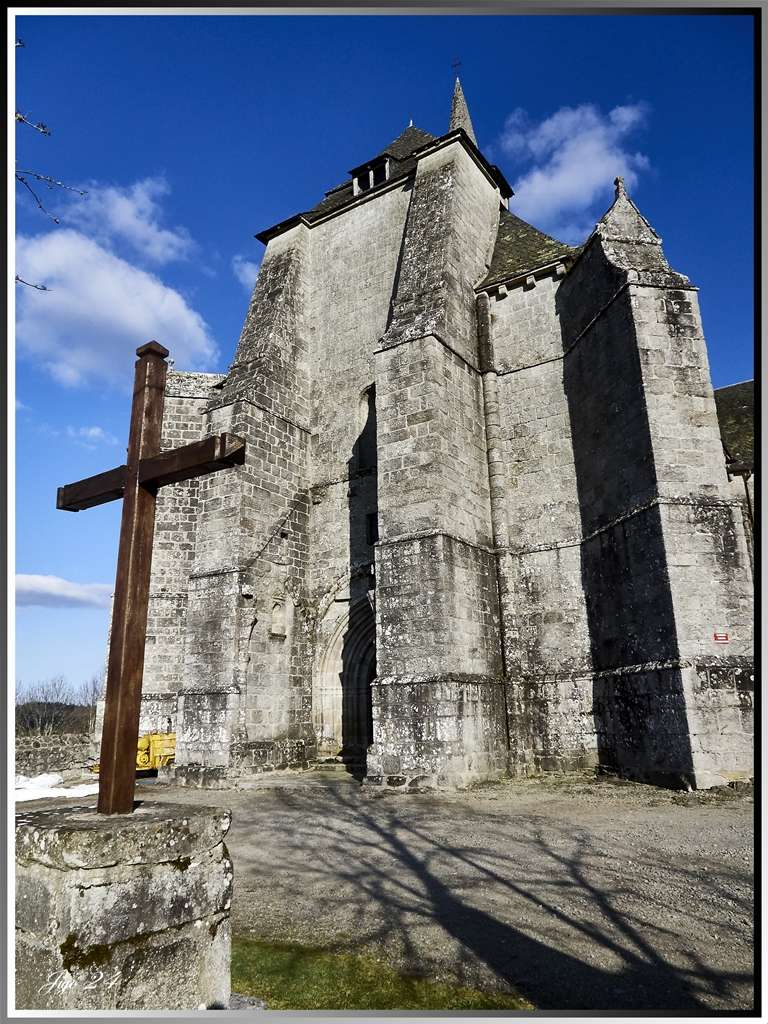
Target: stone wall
{"points": [[157, 713], [173, 552], [355, 259], [622, 551], [65, 752], [263, 640], [545, 629]]}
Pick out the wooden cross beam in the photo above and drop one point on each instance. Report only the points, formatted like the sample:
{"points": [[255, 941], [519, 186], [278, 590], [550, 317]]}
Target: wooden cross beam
{"points": [[136, 483]]}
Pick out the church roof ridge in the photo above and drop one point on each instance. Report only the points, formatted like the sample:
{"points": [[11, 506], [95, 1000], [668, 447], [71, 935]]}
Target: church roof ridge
{"points": [[404, 152], [736, 384], [401, 148]]}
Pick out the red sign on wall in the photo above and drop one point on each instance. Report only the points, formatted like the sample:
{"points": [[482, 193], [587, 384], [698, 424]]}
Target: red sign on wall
{"points": [[721, 638]]}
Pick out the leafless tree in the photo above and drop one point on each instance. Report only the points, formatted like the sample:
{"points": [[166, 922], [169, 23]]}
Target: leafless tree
{"points": [[88, 694], [43, 707], [24, 175]]}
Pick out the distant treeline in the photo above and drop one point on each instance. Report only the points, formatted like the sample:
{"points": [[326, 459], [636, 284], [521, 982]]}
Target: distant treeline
{"points": [[42, 719], [51, 707]]}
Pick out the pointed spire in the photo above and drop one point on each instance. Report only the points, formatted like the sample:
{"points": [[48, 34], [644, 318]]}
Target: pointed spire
{"points": [[631, 244], [460, 113], [622, 220]]}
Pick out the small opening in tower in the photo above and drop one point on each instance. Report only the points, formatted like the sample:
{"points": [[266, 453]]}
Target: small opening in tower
{"points": [[374, 174]]}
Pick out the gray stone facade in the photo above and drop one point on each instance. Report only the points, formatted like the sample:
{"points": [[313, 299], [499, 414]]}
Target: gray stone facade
{"points": [[484, 522]]}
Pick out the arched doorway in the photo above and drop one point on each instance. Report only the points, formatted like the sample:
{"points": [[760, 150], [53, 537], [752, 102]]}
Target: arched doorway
{"points": [[341, 691]]}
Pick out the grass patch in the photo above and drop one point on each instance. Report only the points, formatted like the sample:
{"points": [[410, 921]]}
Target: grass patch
{"points": [[293, 977]]}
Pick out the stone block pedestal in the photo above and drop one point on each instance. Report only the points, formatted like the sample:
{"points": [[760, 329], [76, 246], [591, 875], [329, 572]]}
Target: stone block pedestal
{"points": [[118, 912]]}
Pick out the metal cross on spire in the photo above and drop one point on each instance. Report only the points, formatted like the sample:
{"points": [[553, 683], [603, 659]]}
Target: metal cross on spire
{"points": [[136, 483]]}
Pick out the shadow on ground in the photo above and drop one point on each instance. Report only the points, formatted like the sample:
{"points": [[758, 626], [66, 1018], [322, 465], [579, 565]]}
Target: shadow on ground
{"points": [[644, 908]]}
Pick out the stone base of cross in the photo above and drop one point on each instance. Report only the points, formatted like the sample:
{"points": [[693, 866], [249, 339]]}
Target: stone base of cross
{"points": [[137, 483]]}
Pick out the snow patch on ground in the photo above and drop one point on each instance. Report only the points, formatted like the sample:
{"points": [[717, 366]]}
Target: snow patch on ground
{"points": [[49, 784]]}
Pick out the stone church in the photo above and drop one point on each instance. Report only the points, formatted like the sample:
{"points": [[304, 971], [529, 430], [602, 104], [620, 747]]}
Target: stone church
{"points": [[485, 523]]}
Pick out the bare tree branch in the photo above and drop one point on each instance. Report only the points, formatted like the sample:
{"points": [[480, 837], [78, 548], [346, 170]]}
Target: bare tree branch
{"points": [[50, 182], [39, 127], [39, 287], [36, 197]]}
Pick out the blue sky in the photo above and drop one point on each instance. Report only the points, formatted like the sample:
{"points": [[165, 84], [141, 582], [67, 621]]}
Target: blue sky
{"points": [[193, 133]]}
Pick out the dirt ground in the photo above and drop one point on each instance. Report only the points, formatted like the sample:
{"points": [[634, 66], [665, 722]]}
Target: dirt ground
{"points": [[579, 893]]}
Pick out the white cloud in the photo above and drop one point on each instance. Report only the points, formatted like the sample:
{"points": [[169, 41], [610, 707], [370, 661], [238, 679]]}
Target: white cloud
{"points": [[99, 309], [91, 436], [245, 271], [567, 162], [55, 592], [132, 214]]}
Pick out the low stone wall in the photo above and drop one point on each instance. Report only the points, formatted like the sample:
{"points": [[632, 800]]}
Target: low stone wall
{"points": [[65, 752], [123, 911]]}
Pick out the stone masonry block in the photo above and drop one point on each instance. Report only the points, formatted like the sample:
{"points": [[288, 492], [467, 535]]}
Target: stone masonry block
{"points": [[122, 911]]}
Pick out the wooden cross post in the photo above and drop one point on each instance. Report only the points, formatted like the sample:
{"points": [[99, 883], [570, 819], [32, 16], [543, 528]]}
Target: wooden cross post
{"points": [[137, 483]]}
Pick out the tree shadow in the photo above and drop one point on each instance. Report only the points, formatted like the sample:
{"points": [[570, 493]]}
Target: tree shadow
{"points": [[537, 911]]}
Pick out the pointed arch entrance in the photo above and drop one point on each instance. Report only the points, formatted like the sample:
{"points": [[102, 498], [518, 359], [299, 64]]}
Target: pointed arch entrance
{"points": [[341, 690]]}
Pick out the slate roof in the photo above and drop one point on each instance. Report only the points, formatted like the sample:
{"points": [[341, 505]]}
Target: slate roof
{"points": [[735, 412], [521, 248], [401, 153], [400, 150], [407, 142]]}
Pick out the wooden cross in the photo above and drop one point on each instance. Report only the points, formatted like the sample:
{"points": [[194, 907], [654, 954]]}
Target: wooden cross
{"points": [[136, 483]]}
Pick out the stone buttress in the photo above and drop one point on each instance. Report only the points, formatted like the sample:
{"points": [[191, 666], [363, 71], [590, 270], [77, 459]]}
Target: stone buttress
{"points": [[663, 555], [438, 699], [240, 672]]}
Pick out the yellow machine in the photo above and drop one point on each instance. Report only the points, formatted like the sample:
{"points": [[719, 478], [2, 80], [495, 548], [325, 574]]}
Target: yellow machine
{"points": [[155, 750]]}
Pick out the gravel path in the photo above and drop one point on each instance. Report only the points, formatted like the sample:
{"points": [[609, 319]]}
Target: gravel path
{"points": [[580, 894]]}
